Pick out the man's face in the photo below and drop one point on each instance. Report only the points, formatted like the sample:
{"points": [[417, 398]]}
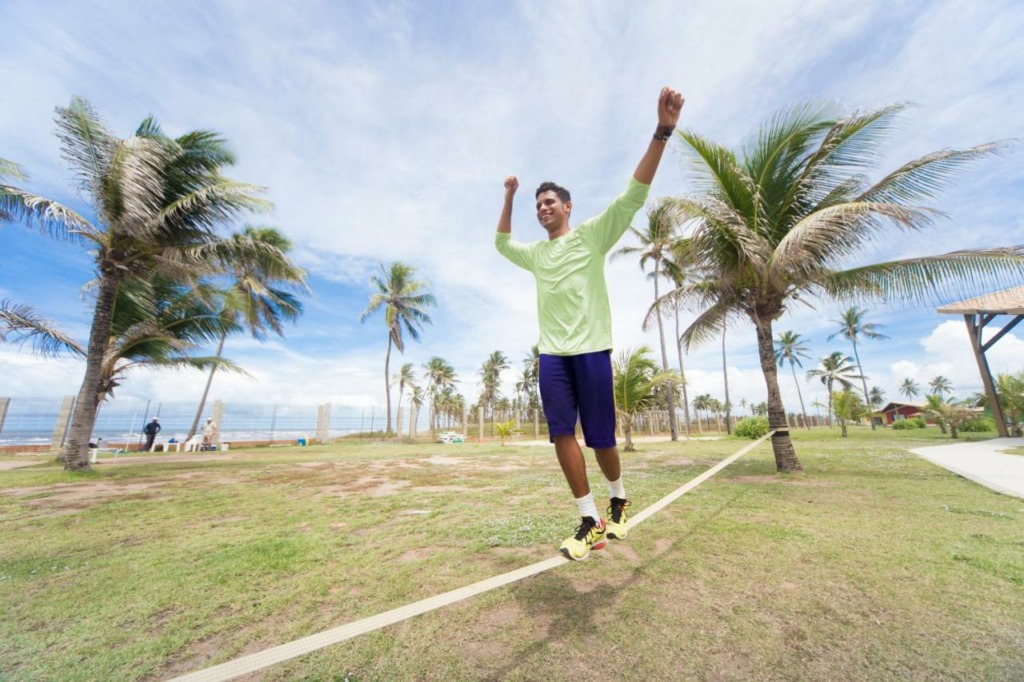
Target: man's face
{"points": [[552, 212]]}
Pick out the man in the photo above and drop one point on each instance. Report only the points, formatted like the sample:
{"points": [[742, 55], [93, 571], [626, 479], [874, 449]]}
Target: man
{"points": [[209, 433], [575, 329], [151, 429]]}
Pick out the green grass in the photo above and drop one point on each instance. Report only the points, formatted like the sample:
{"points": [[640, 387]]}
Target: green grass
{"points": [[873, 564]]}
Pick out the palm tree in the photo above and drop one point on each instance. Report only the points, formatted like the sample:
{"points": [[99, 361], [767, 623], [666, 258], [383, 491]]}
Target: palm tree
{"points": [[1010, 389], [940, 385], [876, 397], [848, 407], [852, 325], [490, 377], [934, 407], [780, 222], [635, 379], [405, 377], [404, 301], [439, 375], [834, 369], [909, 388], [790, 347], [262, 294], [531, 374], [655, 245], [951, 412], [158, 202]]}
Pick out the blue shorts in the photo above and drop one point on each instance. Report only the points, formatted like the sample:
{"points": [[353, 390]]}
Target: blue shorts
{"points": [[579, 385]]}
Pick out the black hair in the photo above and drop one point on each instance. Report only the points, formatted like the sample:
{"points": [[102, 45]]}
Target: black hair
{"points": [[561, 192]]}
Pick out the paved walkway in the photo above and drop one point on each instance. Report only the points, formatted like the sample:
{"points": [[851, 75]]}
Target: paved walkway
{"points": [[982, 462]]}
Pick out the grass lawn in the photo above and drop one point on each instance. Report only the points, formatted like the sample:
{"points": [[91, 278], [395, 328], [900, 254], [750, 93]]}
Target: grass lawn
{"points": [[873, 564]]}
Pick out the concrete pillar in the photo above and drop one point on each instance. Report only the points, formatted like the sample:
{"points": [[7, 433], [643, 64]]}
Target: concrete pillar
{"points": [[465, 422], [536, 423], [4, 403], [480, 421], [61, 427], [398, 421], [217, 415], [414, 413]]}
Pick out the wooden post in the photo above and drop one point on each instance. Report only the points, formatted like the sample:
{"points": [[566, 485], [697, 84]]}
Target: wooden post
{"points": [[974, 330]]}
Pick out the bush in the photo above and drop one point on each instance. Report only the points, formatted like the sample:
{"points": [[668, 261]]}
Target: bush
{"points": [[912, 423], [977, 425], [751, 427]]}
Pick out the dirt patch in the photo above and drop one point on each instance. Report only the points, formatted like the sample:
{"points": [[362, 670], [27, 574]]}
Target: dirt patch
{"points": [[661, 546], [442, 460], [418, 554], [617, 549]]}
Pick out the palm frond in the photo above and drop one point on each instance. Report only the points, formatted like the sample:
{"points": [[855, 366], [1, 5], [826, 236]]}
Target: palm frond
{"points": [[716, 172], [834, 233], [25, 324], [708, 325], [927, 280], [54, 218], [86, 144], [924, 177]]}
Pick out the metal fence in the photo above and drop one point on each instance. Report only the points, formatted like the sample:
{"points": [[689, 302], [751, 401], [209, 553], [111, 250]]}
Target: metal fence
{"points": [[45, 421], [42, 421]]}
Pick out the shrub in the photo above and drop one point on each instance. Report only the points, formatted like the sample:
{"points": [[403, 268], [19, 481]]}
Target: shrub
{"points": [[751, 427], [905, 424], [978, 424]]}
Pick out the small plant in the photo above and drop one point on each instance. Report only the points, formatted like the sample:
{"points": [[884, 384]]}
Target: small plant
{"points": [[751, 427], [505, 430]]}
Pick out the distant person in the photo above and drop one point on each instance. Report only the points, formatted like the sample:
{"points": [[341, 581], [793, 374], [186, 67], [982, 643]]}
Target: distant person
{"points": [[209, 433], [576, 328], [151, 429]]}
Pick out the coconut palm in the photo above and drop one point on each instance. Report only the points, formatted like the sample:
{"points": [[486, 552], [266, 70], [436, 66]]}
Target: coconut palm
{"points": [[934, 407], [940, 386], [262, 292], [404, 301], [851, 326], [439, 376], [789, 347], [158, 204], [848, 407], [531, 375], [909, 388], [876, 397], [1010, 389], [490, 377], [635, 380], [655, 245], [783, 220], [947, 412], [834, 369], [405, 377]]}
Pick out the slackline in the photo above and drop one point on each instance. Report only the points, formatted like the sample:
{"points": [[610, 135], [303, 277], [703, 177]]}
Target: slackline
{"points": [[284, 652]]}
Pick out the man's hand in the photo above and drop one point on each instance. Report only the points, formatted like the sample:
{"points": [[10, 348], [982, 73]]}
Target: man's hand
{"points": [[670, 103], [505, 221], [511, 185]]}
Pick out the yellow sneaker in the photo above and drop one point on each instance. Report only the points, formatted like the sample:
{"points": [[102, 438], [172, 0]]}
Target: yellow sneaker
{"points": [[617, 523], [589, 536]]}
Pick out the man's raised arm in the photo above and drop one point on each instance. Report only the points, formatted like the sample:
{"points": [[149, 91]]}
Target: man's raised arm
{"points": [[670, 103], [505, 221]]}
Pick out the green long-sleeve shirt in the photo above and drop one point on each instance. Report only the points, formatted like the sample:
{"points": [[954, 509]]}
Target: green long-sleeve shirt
{"points": [[572, 296]]}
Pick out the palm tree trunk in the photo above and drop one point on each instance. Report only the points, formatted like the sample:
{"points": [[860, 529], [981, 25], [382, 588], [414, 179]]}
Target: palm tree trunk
{"points": [[387, 385], [801, 395], [725, 376], [83, 420], [670, 395], [782, 445], [864, 383], [831, 413], [627, 428], [682, 373], [206, 391]]}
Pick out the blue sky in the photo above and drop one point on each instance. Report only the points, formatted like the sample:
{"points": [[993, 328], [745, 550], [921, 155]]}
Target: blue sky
{"points": [[384, 132]]}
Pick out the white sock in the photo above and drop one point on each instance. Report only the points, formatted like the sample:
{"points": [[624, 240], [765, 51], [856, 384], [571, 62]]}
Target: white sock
{"points": [[616, 489], [587, 507]]}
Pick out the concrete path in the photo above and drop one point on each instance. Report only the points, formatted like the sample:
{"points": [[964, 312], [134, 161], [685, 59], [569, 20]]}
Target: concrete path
{"points": [[982, 462]]}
